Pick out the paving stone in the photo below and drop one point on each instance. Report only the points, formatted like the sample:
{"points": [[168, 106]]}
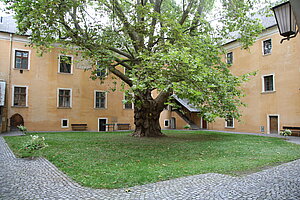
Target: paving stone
{"points": [[39, 179]]}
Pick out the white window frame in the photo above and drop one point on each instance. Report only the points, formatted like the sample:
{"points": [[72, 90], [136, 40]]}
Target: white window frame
{"points": [[124, 104], [71, 99], [13, 95], [106, 71], [229, 126], [167, 120], [62, 126], [99, 124], [226, 57], [268, 122], [263, 83], [14, 58], [95, 91], [72, 64], [263, 52]]}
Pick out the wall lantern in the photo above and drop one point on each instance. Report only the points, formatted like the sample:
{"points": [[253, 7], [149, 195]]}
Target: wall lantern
{"points": [[286, 21]]}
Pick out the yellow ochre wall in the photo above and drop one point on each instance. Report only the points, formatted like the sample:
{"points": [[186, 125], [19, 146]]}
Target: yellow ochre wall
{"points": [[284, 63], [43, 81]]}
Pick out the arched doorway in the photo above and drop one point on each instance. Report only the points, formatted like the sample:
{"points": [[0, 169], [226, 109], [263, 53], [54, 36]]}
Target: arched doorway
{"points": [[16, 120]]}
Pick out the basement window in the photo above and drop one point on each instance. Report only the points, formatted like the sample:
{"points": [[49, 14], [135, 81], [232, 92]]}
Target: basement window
{"points": [[64, 123]]}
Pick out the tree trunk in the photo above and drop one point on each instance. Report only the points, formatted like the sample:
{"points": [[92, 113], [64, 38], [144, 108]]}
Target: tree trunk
{"points": [[146, 116]]}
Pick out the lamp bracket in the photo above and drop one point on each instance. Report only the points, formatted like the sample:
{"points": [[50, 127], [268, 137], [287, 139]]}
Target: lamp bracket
{"points": [[289, 37]]}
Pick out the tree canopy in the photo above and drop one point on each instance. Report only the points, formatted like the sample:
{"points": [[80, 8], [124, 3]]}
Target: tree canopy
{"points": [[165, 45]]}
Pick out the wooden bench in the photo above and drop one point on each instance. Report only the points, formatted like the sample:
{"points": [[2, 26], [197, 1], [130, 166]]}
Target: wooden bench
{"points": [[123, 126], [295, 130], [79, 127], [108, 126]]}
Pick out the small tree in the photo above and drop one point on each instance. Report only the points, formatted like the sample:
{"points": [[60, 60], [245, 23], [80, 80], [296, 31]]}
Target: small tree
{"points": [[166, 46]]}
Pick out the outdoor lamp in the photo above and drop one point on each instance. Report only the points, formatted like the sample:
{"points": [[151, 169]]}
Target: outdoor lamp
{"points": [[286, 21]]}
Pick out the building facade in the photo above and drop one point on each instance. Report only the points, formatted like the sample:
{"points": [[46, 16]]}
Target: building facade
{"points": [[272, 95], [54, 91]]}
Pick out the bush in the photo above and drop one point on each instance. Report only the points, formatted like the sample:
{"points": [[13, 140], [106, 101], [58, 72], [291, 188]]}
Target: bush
{"points": [[286, 132], [35, 143], [22, 128], [187, 126]]}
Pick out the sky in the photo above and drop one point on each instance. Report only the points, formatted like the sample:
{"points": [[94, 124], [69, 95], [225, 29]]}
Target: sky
{"points": [[4, 14]]}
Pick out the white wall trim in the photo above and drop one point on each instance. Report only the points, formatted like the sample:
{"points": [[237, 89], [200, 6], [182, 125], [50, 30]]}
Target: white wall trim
{"points": [[105, 106], [268, 122], [99, 123], [61, 122], [229, 126], [72, 64], [13, 92], [168, 123], [262, 46], [263, 83], [14, 58], [57, 97]]}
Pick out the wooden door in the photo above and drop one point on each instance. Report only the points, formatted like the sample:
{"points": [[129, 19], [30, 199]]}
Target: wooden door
{"points": [[204, 123], [15, 121], [273, 124], [102, 126]]}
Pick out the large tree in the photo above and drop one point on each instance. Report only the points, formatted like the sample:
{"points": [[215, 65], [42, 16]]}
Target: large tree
{"points": [[166, 46]]}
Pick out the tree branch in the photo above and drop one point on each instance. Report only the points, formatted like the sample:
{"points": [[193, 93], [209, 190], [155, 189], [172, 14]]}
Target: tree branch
{"points": [[121, 52], [186, 12], [120, 75], [132, 34], [157, 7]]}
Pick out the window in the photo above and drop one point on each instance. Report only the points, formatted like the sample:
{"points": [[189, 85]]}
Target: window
{"points": [[64, 98], [65, 64], [100, 99], [64, 123], [21, 59], [101, 72], [229, 58], [229, 122], [267, 47], [166, 123], [1, 20], [20, 96], [268, 83], [127, 105]]}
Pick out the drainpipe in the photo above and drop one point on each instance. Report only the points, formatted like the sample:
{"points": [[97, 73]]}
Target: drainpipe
{"points": [[8, 93]]}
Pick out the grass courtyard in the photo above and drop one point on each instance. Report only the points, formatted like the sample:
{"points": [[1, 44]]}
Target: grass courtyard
{"points": [[116, 160]]}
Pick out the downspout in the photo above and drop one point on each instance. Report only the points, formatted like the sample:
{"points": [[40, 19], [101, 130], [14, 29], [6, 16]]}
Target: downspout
{"points": [[8, 94]]}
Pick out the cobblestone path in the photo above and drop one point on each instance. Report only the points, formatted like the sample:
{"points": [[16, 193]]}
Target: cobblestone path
{"points": [[39, 179]]}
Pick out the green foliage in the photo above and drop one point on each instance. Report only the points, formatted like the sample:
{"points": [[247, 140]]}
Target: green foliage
{"points": [[115, 160], [22, 128], [286, 132], [163, 45], [34, 143], [187, 126]]}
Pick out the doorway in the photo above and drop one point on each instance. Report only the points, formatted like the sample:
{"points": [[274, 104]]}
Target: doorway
{"points": [[173, 123], [102, 124], [15, 121], [203, 123], [273, 121]]}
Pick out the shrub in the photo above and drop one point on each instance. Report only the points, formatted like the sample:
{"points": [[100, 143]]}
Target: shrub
{"points": [[34, 143], [22, 128], [286, 132], [187, 126]]}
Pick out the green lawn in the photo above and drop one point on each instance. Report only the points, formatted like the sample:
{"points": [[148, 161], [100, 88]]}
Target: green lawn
{"points": [[114, 160]]}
